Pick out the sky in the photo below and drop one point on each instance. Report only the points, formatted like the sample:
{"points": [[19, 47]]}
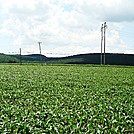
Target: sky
{"points": [[66, 27]]}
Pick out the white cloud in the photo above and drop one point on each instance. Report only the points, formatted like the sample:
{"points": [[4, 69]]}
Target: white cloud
{"points": [[114, 43], [73, 26], [5, 32]]}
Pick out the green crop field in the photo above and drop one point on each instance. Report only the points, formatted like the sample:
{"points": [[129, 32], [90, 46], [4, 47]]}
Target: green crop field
{"points": [[66, 99]]}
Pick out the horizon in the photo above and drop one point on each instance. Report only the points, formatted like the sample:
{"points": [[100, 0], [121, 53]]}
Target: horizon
{"points": [[67, 55], [66, 28]]}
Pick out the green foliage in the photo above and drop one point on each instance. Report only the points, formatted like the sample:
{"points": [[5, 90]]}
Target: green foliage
{"points": [[8, 59], [66, 99], [92, 58]]}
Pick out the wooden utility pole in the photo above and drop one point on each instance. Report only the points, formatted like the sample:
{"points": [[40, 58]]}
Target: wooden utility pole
{"points": [[101, 43], [40, 51], [20, 57], [105, 26]]}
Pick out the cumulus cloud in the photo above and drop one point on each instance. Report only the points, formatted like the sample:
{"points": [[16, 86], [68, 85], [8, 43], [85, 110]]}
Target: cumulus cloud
{"points": [[64, 26], [110, 10], [6, 32]]}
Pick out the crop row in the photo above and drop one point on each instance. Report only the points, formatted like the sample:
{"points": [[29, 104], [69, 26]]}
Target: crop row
{"points": [[66, 99]]}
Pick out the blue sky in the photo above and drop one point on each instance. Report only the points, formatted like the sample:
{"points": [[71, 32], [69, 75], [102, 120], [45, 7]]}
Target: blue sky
{"points": [[66, 27]]}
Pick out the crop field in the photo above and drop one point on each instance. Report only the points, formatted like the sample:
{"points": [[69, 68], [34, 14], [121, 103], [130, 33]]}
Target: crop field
{"points": [[78, 99]]}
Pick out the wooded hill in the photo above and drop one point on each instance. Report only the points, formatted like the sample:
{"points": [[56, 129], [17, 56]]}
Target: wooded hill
{"points": [[92, 58]]}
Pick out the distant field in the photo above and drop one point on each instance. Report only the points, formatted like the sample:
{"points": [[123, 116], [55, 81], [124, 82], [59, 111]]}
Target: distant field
{"points": [[66, 99]]}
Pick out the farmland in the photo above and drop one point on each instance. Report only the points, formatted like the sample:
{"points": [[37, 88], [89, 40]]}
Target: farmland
{"points": [[66, 99]]}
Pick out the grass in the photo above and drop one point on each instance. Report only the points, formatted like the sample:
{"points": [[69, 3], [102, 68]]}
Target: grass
{"points": [[66, 99]]}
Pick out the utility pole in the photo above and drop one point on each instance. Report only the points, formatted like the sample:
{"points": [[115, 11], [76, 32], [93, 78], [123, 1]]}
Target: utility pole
{"points": [[105, 26], [20, 57], [101, 43], [40, 51]]}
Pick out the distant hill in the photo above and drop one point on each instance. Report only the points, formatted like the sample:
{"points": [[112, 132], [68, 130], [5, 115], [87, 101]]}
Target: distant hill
{"points": [[31, 58], [8, 59], [92, 58], [4, 58]]}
